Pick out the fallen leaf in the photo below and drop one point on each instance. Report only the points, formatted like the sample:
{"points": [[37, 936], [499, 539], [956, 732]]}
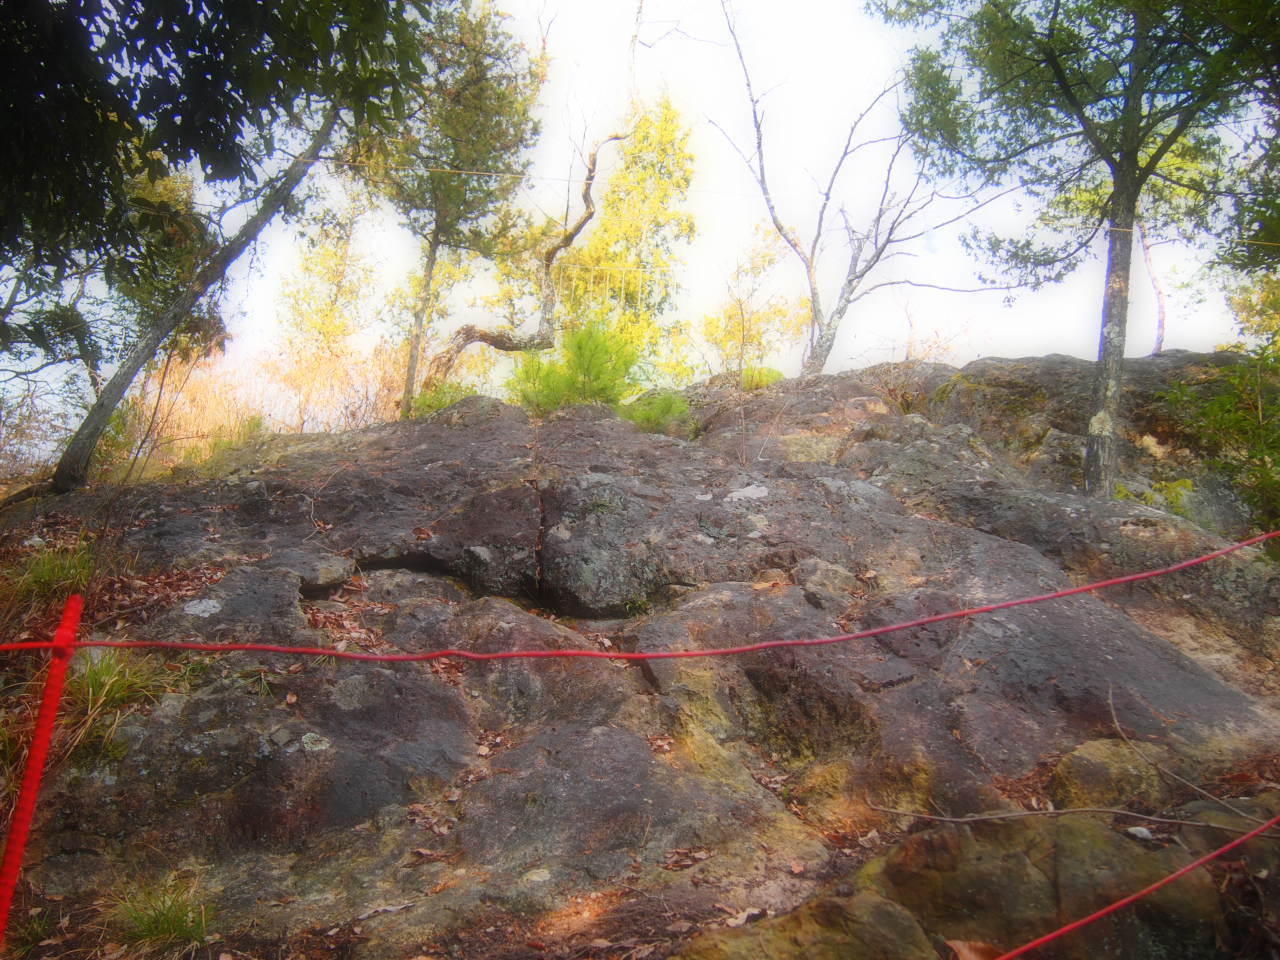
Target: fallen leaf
{"points": [[389, 908], [680, 926], [483, 751], [600, 944], [973, 950], [797, 868], [750, 915]]}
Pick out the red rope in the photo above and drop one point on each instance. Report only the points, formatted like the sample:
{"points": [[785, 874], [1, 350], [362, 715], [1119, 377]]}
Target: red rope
{"points": [[1120, 904], [654, 655], [64, 642], [23, 812]]}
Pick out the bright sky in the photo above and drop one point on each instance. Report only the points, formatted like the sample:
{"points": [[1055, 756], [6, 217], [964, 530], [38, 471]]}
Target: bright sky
{"points": [[821, 62]]}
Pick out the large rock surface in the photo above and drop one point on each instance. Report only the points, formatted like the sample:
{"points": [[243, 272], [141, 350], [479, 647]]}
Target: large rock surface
{"points": [[595, 807]]}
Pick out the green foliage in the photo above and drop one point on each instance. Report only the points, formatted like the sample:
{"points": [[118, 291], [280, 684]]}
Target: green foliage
{"points": [[161, 918], [51, 575], [1235, 419], [26, 933], [207, 83], [594, 364], [626, 270], [754, 321], [757, 378], [121, 439], [111, 680], [208, 458], [1256, 305], [1048, 96], [1167, 495], [472, 114], [439, 396], [662, 412]]}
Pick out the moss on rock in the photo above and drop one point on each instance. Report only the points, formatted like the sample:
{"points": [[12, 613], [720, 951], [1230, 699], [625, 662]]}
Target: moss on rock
{"points": [[1108, 773], [864, 927]]}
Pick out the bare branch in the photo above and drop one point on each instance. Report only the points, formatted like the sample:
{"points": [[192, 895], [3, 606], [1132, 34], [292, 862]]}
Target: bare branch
{"points": [[544, 337]]}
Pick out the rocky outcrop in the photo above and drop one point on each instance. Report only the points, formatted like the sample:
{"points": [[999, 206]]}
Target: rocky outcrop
{"points": [[596, 807]]}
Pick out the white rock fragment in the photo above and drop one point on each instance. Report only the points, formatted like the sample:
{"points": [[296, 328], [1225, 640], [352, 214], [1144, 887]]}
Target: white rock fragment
{"points": [[202, 608], [314, 743], [753, 492]]}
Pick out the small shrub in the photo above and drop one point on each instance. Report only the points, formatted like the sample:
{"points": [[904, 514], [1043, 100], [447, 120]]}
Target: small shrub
{"points": [[222, 441], [1235, 419], [121, 439], [43, 578], [1167, 495], [757, 378], [161, 919], [436, 398], [594, 365], [665, 412]]}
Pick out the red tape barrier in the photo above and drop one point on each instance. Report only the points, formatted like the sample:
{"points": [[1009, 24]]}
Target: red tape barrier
{"points": [[64, 642], [24, 810]]}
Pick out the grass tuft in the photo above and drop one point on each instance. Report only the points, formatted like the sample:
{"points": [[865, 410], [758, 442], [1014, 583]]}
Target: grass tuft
{"points": [[165, 919]]}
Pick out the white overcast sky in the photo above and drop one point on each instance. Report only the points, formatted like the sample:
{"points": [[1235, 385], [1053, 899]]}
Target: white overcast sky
{"points": [[821, 62]]}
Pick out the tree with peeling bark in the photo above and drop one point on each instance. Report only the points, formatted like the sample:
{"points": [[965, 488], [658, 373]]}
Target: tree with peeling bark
{"points": [[901, 213], [461, 156], [1050, 93], [621, 276], [543, 337]]}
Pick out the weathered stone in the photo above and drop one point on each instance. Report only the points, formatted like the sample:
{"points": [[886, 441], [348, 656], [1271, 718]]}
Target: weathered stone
{"points": [[1005, 883], [1108, 773], [416, 800], [865, 927], [318, 570]]}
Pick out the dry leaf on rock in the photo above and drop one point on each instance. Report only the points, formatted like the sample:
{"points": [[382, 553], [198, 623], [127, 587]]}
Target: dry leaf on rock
{"points": [[973, 950]]}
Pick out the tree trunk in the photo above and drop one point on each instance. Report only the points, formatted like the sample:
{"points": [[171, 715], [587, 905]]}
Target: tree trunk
{"points": [[1100, 459], [419, 324], [820, 337], [544, 337], [73, 467], [1161, 310]]}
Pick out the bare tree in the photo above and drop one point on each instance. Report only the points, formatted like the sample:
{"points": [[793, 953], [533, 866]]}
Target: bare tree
{"points": [[899, 218], [543, 338]]}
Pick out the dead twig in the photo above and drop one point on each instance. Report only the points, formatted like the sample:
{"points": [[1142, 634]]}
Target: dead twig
{"points": [[1020, 814], [1164, 772]]}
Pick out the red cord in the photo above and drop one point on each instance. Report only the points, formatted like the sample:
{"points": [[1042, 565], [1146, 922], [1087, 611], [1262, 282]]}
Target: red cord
{"points": [[1119, 904], [654, 655], [24, 810], [64, 643]]}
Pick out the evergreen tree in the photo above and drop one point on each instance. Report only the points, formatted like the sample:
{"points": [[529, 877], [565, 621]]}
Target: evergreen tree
{"points": [[1048, 94], [462, 153]]}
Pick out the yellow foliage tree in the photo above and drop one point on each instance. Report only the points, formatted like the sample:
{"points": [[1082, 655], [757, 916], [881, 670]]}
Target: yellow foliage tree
{"points": [[754, 322]]}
